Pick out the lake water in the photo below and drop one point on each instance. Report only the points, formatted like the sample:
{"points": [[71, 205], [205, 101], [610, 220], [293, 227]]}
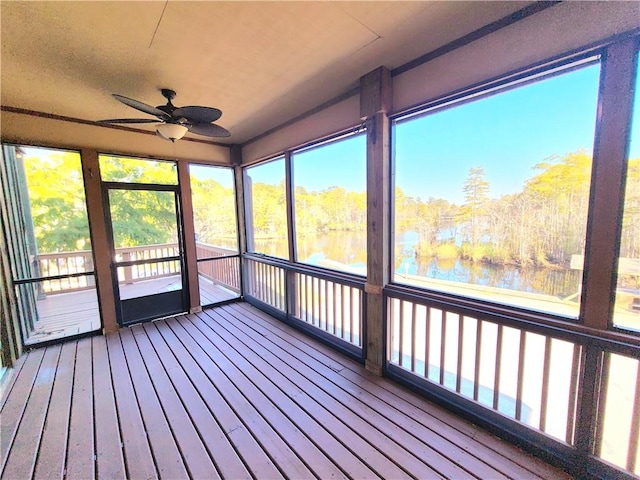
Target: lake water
{"points": [[349, 248]]}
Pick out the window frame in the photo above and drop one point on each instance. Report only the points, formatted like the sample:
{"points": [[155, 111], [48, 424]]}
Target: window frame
{"points": [[489, 88]]}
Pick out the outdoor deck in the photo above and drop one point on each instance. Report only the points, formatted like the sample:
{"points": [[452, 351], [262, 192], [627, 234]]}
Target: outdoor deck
{"points": [[233, 393], [72, 313]]}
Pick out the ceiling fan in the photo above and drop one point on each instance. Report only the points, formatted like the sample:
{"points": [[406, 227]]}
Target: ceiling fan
{"points": [[175, 121]]}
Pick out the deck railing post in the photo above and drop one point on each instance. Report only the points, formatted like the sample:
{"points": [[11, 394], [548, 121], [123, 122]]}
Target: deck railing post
{"points": [[128, 275], [375, 104]]}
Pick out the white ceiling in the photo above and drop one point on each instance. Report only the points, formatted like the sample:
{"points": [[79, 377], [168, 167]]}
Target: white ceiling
{"points": [[261, 63]]}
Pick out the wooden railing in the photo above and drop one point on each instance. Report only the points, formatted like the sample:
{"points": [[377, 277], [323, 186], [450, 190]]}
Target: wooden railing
{"points": [[327, 302], [331, 306], [224, 271], [526, 371]]}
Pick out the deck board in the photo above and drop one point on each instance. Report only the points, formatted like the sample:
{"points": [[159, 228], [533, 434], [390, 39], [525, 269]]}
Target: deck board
{"points": [[329, 412], [363, 417], [138, 456], [20, 461], [66, 314], [53, 449], [196, 456], [217, 444], [168, 458], [231, 392], [109, 458], [250, 452], [81, 446]]}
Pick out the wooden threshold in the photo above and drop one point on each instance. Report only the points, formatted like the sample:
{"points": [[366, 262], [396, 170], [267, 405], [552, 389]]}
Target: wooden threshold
{"points": [[230, 392]]}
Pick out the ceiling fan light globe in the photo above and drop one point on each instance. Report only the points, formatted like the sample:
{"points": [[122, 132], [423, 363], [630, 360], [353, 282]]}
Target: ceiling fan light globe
{"points": [[171, 131]]}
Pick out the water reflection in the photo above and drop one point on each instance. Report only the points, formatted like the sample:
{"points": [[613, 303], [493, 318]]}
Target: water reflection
{"points": [[347, 251]]}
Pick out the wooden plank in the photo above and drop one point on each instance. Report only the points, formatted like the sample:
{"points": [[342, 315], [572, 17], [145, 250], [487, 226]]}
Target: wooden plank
{"points": [[270, 437], [169, 461], [196, 457], [227, 461], [444, 457], [8, 383], [254, 457], [363, 440], [137, 452], [109, 456], [20, 461], [245, 382], [81, 448], [16, 400], [53, 448], [501, 455], [316, 420]]}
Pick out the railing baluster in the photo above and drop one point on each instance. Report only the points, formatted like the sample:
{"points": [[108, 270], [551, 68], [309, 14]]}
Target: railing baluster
{"points": [[573, 394], [354, 314], [313, 300], [520, 380], [342, 311], [360, 308], [335, 308], [310, 298], [476, 372], [326, 305], [427, 339], [498, 370], [460, 345], [634, 433], [602, 403], [443, 346], [413, 336], [320, 303], [401, 334], [270, 270], [545, 384]]}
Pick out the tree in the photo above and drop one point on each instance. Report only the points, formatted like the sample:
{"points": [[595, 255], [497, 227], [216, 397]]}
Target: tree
{"points": [[474, 208]]}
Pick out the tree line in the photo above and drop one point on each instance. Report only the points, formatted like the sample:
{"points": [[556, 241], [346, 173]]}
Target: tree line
{"points": [[541, 225]]}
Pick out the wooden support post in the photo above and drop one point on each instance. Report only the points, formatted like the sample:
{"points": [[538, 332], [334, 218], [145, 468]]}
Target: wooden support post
{"points": [[99, 239], [189, 235], [236, 160], [607, 183], [291, 292], [375, 104], [604, 224]]}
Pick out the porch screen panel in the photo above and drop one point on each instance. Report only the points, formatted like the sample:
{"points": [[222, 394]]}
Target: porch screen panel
{"points": [[330, 204], [492, 192], [626, 311], [215, 223], [52, 260], [266, 204]]}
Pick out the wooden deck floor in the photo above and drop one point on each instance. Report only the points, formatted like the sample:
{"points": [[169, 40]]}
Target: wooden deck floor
{"points": [[232, 393], [66, 314]]}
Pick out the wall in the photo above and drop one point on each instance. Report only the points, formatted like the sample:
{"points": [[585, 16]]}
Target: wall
{"points": [[33, 130], [554, 31]]}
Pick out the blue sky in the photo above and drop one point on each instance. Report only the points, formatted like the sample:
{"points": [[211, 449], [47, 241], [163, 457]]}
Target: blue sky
{"points": [[506, 134], [222, 175]]}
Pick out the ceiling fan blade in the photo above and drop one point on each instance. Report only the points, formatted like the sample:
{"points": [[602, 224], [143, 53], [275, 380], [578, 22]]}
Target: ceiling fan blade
{"points": [[128, 120], [208, 130], [143, 107], [195, 114]]}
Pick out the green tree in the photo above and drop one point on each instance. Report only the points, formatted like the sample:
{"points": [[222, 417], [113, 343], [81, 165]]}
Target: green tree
{"points": [[474, 210]]}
